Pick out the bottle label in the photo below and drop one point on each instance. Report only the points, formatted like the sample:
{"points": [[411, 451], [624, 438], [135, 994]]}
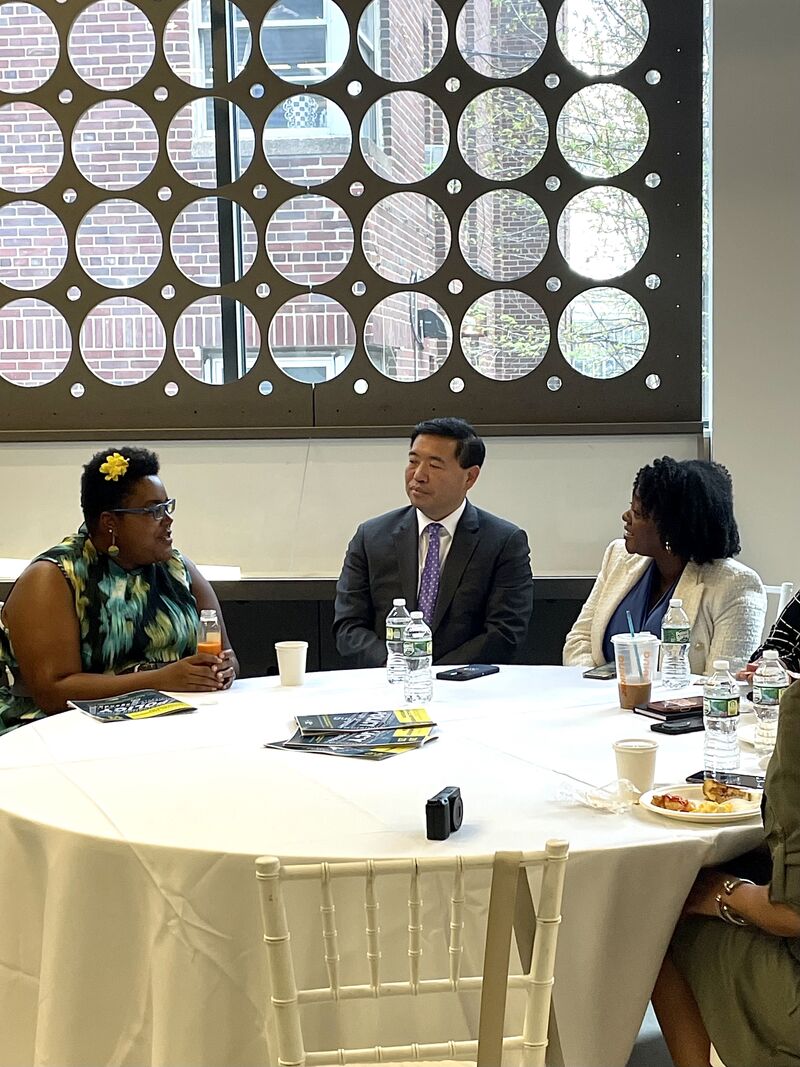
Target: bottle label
{"points": [[395, 633], [768, 694], [721, 707], [420, 647], [676, 635]]}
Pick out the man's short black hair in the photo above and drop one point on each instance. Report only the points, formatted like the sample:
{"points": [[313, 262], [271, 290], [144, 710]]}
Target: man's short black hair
{"points": [[470, 449], [691, 503], [98, 495]]}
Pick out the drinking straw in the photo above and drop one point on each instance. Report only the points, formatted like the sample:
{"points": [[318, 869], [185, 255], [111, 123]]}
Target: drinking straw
{"points": [[635, 646]]}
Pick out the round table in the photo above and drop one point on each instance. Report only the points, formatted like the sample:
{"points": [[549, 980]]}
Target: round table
{"points": [[131, 931]]}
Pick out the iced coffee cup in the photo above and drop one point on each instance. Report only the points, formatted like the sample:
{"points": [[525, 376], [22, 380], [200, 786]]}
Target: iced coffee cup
{"points": [[636, 658]]}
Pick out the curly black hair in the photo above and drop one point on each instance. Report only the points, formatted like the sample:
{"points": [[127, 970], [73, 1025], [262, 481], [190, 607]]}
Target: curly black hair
{"points": [[691, 503], [98, 495], [470, 449]]}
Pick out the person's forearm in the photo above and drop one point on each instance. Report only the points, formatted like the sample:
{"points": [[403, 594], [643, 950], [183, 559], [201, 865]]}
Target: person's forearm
{"points": [[53, 698], [753, 904]]}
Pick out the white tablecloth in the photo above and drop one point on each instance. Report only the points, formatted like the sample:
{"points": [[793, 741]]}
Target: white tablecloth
{"points": [[129, 924]]}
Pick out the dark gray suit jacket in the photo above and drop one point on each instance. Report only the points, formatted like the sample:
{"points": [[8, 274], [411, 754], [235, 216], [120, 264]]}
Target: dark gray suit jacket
{"points": [[485, 593]]}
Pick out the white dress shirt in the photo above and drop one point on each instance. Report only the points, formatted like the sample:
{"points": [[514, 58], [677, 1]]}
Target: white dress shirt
{"points": [[449, 522]]}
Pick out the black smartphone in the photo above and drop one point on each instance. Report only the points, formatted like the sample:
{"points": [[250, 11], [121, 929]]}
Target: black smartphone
{"points": [[605, 670], [746, 781], [689, 725], [465, 674]]}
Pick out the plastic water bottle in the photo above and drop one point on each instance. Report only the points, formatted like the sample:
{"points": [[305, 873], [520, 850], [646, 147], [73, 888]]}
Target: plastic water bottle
{"points": [[721, 719], [675, 638], [418, 653], [396, 624], [769, 682]]}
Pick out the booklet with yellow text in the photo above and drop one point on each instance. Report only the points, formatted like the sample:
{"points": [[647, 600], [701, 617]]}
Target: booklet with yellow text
{"points": [[353, 722], [142, 704]]}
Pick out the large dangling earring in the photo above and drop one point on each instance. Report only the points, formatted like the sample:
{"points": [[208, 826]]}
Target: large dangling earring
{"points": [[113, 548]]}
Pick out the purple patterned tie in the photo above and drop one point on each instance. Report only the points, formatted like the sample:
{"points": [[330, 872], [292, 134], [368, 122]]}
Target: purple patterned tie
{"points": [[429, 583]]}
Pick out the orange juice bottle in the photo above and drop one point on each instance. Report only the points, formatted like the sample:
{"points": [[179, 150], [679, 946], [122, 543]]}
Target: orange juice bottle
{"points": [[209, 637]]}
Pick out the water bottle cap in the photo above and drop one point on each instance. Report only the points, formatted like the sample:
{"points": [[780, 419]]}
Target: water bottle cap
{"points": [[399, 602], [676, 602], [207, 614], [416, 614], [770, 653], [721, 664]]}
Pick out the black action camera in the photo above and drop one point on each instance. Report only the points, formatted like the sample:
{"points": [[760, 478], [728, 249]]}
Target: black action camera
{"points": [[444, 813]]}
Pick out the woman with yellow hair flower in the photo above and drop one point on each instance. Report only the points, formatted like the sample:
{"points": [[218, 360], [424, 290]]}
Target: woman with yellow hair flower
{"points": [[113, 600]]}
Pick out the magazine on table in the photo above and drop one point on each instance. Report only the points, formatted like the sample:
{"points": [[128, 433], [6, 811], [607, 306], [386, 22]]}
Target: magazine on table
{"points": [[142, 704], [353, 722], [364, 744]]}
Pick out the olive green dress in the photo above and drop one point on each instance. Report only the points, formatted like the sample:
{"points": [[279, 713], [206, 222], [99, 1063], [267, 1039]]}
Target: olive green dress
{"points": [[143, 616], [747, 982]]}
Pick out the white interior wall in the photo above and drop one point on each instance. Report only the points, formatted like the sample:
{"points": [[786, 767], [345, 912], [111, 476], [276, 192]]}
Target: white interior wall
{"points": [[289, 507], [756, 264]]}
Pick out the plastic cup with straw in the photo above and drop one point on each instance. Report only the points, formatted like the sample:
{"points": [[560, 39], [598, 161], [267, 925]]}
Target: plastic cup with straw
{"points": [[635, 646]]}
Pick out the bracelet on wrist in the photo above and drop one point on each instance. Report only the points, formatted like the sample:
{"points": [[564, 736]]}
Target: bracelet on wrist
{"points": [[724, 910]]}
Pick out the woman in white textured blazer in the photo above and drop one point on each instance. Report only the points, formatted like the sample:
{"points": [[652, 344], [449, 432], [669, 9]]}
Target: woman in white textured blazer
{"points": [[680, 533]]}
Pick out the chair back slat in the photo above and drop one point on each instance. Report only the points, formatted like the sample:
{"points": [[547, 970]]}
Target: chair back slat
{"points": [[414, 927], [330, 938], [281, 966], [372, 911], [286, 999], [455, 943]]}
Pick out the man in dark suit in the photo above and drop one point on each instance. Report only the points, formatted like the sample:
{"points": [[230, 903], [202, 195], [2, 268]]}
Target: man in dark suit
{"points": [[469, 571]]}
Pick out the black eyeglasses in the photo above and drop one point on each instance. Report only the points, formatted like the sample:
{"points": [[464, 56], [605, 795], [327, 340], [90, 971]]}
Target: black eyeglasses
{"points": [[155, 511]]}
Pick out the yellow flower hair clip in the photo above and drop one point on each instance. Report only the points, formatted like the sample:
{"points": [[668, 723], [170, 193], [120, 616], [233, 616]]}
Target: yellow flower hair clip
{"points": [[114, 467]]}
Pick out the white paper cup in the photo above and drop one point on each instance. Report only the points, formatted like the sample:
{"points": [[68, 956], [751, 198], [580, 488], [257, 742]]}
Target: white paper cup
{"points": [[636, 761], [292, 661]]}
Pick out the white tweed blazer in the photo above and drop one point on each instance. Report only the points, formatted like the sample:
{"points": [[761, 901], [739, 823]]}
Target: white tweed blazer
{"points": [[725, 602]]}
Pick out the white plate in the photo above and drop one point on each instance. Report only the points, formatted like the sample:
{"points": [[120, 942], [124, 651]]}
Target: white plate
{"points": [[695, 793]]}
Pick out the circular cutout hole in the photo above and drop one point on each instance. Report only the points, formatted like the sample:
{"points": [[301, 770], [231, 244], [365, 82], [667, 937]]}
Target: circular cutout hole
{"points": [[598, 42], [161, 94], [165, 193], [122, 341], [202, 167], [65, 96], [257, 91], [652, 381], [259, 191], [553, 383], [456, 385], [603, 232], [171, 389], [503, 38], [36, 342], [207, 216], [603, 332], [552, 183], [553, 284], [73, 293], [652, 281], [357, 189], [307, 139], [455, 285], [33, 245], [354, 88], [503, 235], [408, 336], [265, 387], [203, 347], [168, 292], [454, 186], [106, 250], [69, 196], [29, 47], [76, 389], [358, 288], [360, 386], [31, 147], [262, 290], [327, 235], [552, 81], [653, 180], [602, 130], [505, 334], [653, 77], [306, 42], [411, 38], [406, 237], [452, 85], [518, 136], [400, 158], [293, 329], [115, 144], [101, 48]]}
